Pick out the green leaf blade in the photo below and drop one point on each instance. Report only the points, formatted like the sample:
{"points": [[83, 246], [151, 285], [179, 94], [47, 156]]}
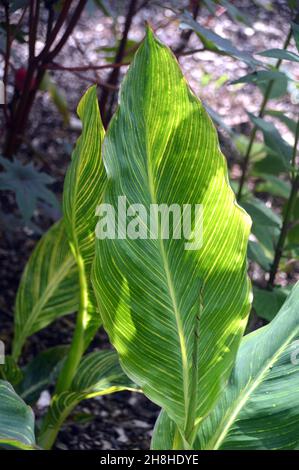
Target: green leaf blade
{"points": [[48, 287], [99, 373], [16, 419], [161, 147], [259, 409], [83, 189]]}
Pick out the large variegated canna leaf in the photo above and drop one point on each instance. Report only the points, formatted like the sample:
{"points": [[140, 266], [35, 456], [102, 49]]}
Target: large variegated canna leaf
{"points": [[176, 317], [83, 190], [259, 408], [16, 419], [48, 288], [99, 374]]}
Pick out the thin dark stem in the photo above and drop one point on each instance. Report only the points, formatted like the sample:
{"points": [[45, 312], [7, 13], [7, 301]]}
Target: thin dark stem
{"points": [[68, 31], [246, 160], [50, 22], [185, 35], [84, 68], [287, 215], [37, 66], [55, 31], [114, 74], [193, 51], [6, 60], [33, 22]]}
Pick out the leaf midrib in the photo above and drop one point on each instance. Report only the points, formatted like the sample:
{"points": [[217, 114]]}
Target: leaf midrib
{"points": [[171, 290], [51, 286], [233, 412]]}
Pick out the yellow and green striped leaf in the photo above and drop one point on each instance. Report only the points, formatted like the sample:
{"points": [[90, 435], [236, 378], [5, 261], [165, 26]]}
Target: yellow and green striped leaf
{"points": [[176, 317], [83, 190], [99, 373], [16, 419], [48, 288], [259, 408]]}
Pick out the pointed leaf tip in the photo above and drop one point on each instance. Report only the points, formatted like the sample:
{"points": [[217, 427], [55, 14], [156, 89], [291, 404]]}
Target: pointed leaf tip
{"points": [[150, 35]]}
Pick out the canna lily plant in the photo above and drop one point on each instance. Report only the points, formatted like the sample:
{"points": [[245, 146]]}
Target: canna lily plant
{"points": [[175, 317]]}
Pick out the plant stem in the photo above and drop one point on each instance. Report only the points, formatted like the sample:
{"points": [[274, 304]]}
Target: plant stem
{"points": [[245, 163], [186, 34], [287, 215], [77, 346], [48, 433], [6, 60]]}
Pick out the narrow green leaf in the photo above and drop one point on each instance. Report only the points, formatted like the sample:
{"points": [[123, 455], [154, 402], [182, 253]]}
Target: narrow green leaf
{"points": [[290, 123], [262, 79], [280, 54], [83, 190], [153, 294], [274, 140], [16, 419], [260, 213], [257, 254], [216, 43], [48, 288]]}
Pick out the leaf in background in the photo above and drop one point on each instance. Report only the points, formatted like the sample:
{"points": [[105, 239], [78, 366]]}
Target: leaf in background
{"points": [[216, 43], [274, 140], [260, 213], [218, 120], [40, 373], [16, 419], [265, 227], [110, 52], [84, 185], [257, 254], [290, 123], [236, 14], [161, 147], [267, 303], [48, 287], [259, 409], [15, 31], [28, 184], [262, 79], [280, 54], [271, 164], [275, 186], [57, 95], [241, 142], [99, 374]]}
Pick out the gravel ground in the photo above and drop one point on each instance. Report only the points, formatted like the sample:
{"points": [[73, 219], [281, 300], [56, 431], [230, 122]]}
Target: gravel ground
{"points": [[124, 421]]}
